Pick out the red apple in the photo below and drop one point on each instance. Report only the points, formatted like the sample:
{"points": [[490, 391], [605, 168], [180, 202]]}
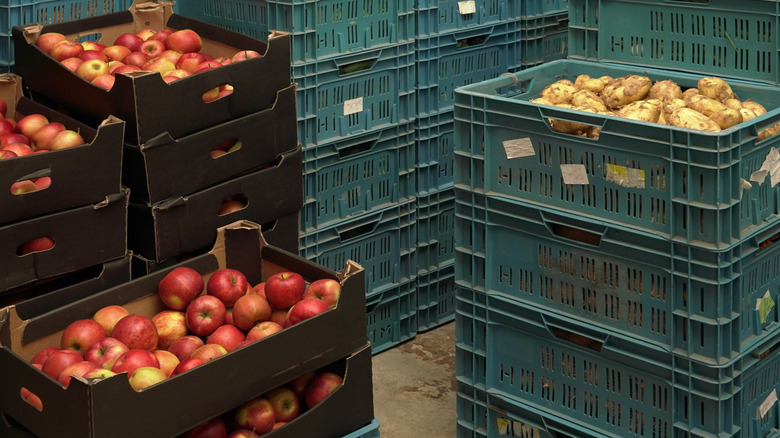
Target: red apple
{"points": [[41, 356], [179, 287], [243, 433], [162, 34], [171, 55], [152, 48], [129, 40], [145, 377], [225, 90], [137, 332], [136, 58], [279, 316], [107, 316], [99, 373], [64, 139], [92, 68], [116, 52], [249, 310], [227, 336], [76, 369], [227, 285], [24, 186], [20, 149], [229, 206], [178, 73], [184, 41], [31, 398], [6, 127], [299, 384], [322, 385], [126, 69], [204, 314], [186, 364], [93, 45], [30, 123], [279, 424], [105, 352], [213, 428], [210, 95], [38, 244], [5, 154], [207, 65], [284, 289], [171, 325], [42, 182], [66, 49], [243, 55], [209, 352], [72, 63], [14, 137], [223, 60], [168, 361], [262, 330], [90, 55], [47, 40], [41, 138], [105, 81], [146, 33], [58, 361], [160, 65], [79, 335], [303, 310], [326, 289], [190, 61], [184, 346], [133, 359], [229, 316], [258, 289], [257, 415], [285, 402]]}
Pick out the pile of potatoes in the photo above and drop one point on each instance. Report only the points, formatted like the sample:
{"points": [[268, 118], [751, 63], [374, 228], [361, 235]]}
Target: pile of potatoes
{"points": [[711, 106]]}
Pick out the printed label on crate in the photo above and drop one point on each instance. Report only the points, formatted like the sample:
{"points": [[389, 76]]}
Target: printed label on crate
{"points": [[764, 305], [767, 404], [574, 174], [467, 7], [770, 166], [518, 148], [626, 176], [353, 106]]}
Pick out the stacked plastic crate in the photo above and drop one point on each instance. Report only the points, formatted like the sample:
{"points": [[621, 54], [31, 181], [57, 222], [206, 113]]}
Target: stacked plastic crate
{"points": [[625, 285], [354, 65]]}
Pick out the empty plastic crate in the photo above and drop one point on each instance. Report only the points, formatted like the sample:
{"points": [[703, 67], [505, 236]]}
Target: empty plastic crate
{"points": [[435, 231], [435, 298], [249, 17], [530, 9], [391, 316], [699, 188], [435, 152], [543, 39], [470, 234], [445, 16]]}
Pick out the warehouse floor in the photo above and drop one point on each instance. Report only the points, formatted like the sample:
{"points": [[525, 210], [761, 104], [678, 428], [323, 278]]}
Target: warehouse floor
{"points": [[414, 386]]}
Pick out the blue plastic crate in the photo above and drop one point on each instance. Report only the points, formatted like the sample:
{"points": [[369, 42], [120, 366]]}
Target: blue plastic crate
{"points": [[470, 235], [689, 186], [544, 39], [435, 298], [710, 306], [435, 152], [21, 12], [369, 431], [384, 243], [358, 175], [715, 38], [354, 94], [448, 61], [435, 17], [530, 9], [391, 316], [435, 231], [470, 337], [610, 386], [248, 17]]}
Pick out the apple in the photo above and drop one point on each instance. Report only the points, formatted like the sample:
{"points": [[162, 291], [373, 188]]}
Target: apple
{"points": [[187, 364], [58, 361], [209, 352], [184, 41], [223, 60], [243, 55], [76, 369], [243, 433], [227, 285], [38, 244], [210, 95], [30, 123], [47, 40], [105, 81], [42, 182], [145, 33], [171, 55], [116, 52], [137, 332], [90, 55], [213, 428], [20, 149], [258, 289], [207, 65], [249, 310], [204, 314], [14, 137], [178, 73], [285, 403], [325, 289], [171, 325], [279, 316], [41, 138], [160, 65], [320, 386], [162, 35], [105, 352], [284, 289], [168, 361], [229, 316], [99, 373], [136, 58], [66, 49], [93, 45], [41, 356], [279, 424], [184, 346], [227, 336], [303, 310], [31, 398], [263, 329], [190, 61], [3, 107], [5, 154], [79, 335], [152, 48], [6, 127], [299, 384], [145, 377], [225, 90], [179, 287], [24, 186], [133, 359], [129, 40], [92, 68], [64, 139], [107, 316], [230, 206], [126, 69], [257, 415]]}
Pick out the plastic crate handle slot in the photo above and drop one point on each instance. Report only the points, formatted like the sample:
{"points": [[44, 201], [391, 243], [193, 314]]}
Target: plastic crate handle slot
{"points": [[351, 67], [584, 119], [571, 231], [505, 83], [576, 336], [358, 229], [366, 144]]}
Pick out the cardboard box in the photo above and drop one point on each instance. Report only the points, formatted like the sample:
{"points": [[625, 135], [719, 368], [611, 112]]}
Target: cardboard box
{"points": [[84, 236], [110, 407], [149, 105], [188, 223], [79, 175], [165, 167]]}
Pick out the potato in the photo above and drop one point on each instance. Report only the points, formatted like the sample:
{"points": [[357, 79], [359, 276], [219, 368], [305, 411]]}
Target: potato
{"points": [[689, 93], [691, 119], [541, 100], [668, 107], [768, 132], [715, 88], [665, 90], [733, 103], [585, 82], [642, 110], [622, 91], [705, 105], [747, 114], [589, 99], [559, 92], [755, 106], [569, 127], [727, 117]]}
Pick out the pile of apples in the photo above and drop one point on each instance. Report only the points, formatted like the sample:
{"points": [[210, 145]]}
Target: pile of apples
{"points": [[173, 53], [203, 320]]}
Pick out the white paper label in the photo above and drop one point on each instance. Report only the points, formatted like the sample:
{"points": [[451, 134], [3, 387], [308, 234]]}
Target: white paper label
{"points": [[503, 426], [574, 174], [353, 106], [770, 166], [767, 404], [467, 7], [626, 176], [518, 148]]}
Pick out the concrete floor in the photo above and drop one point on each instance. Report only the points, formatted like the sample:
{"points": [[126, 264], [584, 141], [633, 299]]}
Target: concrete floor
{"points": [[414, 386]]}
